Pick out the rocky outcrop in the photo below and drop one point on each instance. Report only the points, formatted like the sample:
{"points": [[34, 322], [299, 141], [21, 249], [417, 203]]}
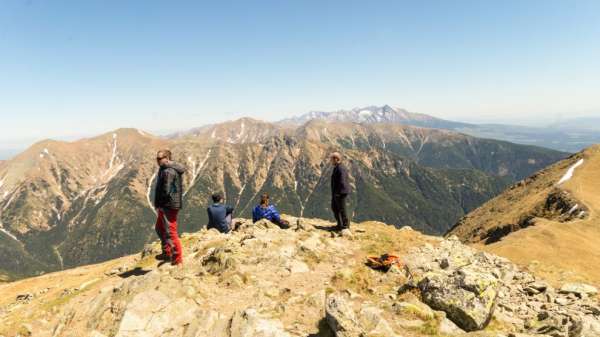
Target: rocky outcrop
{"points": [[262, 281], [474, 287]]}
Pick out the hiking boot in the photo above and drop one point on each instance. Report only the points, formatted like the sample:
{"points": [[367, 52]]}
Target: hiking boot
{"points": [[163, 257]]}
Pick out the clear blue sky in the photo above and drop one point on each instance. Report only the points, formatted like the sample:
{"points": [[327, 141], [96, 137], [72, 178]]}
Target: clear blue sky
{"points": [[83, 67]]}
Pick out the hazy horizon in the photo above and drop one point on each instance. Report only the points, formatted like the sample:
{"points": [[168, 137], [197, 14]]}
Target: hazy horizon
{"points": [[74, 69], [11, 147]]}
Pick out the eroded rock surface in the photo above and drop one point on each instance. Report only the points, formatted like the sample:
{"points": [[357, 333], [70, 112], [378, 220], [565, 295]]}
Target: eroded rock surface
{"points": [[262, 281]]}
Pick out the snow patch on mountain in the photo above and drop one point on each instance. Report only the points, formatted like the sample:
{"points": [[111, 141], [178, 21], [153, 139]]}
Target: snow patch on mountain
{"points": [[115, 171], [573, 209], [570, 172], [8, 233], [12, 197], [196, 169], [114, 152], [149, 190], [241, 133], [377, 114]]}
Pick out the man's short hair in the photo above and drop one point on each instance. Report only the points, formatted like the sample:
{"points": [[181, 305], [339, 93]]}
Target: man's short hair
{"points": [[336, 155], [164, 154], [216, 197]]}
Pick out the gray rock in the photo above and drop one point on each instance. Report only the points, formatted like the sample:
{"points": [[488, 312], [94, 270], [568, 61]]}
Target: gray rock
{"points": [[467, 297], [152, 313], [372, 321], [248, 323], [414, 307], [579, 289], [296, 266], [590, 327], [209, 323], [341, 317]]}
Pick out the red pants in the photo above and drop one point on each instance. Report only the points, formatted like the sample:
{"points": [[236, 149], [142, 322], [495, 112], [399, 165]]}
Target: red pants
{"points": [[166, 228]]}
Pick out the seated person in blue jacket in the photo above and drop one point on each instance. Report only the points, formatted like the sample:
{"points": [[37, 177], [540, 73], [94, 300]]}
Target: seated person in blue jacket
{"points": [[219, 214], [269, 212]]}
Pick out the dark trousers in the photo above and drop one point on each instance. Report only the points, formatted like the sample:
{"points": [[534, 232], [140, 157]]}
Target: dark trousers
{"points": [[338, 205]]}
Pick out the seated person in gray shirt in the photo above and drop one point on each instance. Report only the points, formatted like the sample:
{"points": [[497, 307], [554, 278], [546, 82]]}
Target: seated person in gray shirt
{"points": [[219, 214]]}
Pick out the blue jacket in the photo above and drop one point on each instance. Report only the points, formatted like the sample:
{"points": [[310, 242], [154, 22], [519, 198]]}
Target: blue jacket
{"points": [[219, 217], [270, 213]]}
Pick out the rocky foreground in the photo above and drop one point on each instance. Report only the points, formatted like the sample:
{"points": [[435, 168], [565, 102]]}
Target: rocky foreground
{"points": [[266, 282]]}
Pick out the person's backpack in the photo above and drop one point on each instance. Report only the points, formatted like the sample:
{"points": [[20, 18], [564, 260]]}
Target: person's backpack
{"points": [[384, 262]]}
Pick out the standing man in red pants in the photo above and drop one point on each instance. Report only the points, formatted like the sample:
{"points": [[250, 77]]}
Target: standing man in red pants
{"points": [[168, 200]]}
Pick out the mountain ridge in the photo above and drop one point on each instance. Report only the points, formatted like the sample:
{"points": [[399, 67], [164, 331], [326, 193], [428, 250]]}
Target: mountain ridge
{"points": [[376, 114], [546, 218], [96, 193], [559, 136]]}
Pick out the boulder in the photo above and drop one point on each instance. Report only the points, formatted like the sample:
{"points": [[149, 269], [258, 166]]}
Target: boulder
{"points": [[341, 317], [466, 296]]}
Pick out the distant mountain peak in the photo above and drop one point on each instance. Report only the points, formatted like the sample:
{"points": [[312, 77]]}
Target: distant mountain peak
{"points": [[376, 114]]}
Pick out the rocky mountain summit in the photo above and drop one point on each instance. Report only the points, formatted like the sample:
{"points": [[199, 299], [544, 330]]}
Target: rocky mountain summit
{"points": [[263, 281]]}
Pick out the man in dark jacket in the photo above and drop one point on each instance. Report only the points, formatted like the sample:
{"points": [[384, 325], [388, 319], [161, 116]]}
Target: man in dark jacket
{"points": [[219, 215], [168, 200], [340, 188]]}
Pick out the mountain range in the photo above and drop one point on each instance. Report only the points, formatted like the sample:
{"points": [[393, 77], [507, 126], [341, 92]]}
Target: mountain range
{"points": [[65, 204], [571, 135], [377, 114]]}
